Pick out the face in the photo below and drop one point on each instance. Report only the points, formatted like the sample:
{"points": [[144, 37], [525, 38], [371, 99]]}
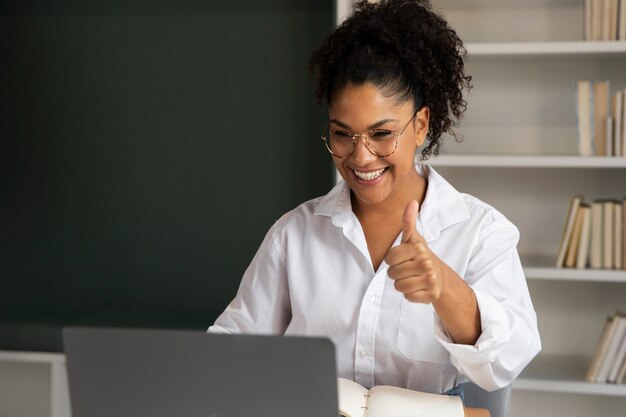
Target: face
{"points": [[376, 180]]}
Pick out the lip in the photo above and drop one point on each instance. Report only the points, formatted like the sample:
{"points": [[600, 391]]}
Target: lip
{"points": [[368, 182]]}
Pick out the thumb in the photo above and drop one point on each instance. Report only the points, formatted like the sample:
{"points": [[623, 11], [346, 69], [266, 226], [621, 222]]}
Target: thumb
{"points": [[409, 233]]}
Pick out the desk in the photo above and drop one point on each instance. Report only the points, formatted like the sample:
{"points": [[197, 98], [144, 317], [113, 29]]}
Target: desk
{"points": [[40, 374], [476, 412]]}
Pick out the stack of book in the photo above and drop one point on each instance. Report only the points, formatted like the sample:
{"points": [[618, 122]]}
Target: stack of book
{"points": [[594, 235], [608, 363], [605, 20], [601, 119]]}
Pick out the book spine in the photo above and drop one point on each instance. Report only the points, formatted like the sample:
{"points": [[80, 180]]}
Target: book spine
{"points": [[582, 257], [618, 228], [600, 113], [623, 132], [624, 233], [618, 101], [596, 234], [567, 230], [584, 117], [607, 232], [621, 30]]}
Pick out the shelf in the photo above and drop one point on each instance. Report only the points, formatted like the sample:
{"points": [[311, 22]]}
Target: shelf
{"points": [[527, 161], [529, 49], [31, 357], [570, 274], [541, 267], [564, 374]]}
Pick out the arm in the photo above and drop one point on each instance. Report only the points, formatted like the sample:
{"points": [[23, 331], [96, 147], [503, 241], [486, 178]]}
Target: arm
{"points": [[424, 278], [485, 319], [456, 306], [261, 305], [509, 337]]}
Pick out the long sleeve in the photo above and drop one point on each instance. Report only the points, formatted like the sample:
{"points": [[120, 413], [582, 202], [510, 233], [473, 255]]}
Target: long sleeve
{"points": [[509, 338], [261, 305]]}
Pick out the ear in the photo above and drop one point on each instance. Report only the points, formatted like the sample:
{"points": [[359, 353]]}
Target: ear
{"points": [[421, 125]]}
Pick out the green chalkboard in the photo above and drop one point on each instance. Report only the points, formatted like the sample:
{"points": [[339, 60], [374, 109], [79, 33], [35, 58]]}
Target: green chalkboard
{"points": [[147, 146]]}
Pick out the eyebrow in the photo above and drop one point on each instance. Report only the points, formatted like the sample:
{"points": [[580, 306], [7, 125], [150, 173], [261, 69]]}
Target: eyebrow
{"points": [[374, 126]]}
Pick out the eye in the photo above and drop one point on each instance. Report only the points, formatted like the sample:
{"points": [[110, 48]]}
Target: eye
{"points": [[381, 134], [340, 134]]}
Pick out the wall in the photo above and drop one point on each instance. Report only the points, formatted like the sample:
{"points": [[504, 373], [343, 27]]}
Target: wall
{"points": [[147, 146]]}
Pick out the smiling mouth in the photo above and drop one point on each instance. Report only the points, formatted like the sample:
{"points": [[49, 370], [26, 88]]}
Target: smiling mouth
{"points": [[368, 176]]}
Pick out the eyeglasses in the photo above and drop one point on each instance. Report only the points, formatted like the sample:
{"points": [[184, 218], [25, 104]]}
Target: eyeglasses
{"points": [[379, 142]]}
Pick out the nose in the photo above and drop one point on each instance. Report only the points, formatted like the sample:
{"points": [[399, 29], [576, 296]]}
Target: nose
{"points": [[362, 155]]}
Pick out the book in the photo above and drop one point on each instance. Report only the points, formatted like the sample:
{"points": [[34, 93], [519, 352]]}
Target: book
{"points": [[582, 253], [595, 258], [600, 113], [572, 248], [584, 119], [618, 112], [621, 377], [387, 401], [597, 20], [567, 230], [610, 20], [618, 329], [621, 27], [624, 233], [587, 20], [618, 361], [623, 133], [608, 213], [610, 151], [600, 351], [618, 235]]}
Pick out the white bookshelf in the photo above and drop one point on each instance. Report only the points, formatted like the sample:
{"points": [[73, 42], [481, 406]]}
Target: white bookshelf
{"points": [[528, 161], [519, 153], [564, 374], [569, 274], [541, 49]]}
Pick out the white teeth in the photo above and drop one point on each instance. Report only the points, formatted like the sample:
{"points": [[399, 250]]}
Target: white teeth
{"points": [[368, 176]]}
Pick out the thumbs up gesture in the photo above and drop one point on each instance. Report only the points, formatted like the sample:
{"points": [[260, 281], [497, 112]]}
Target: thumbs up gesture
{"points": [[416, 271]]}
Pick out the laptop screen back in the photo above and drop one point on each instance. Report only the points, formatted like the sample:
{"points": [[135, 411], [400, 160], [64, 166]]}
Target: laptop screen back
{"points": [[176, 373]]}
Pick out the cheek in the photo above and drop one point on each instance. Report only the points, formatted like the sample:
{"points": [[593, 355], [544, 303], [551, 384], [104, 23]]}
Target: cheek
{"points": [[338, 163]]}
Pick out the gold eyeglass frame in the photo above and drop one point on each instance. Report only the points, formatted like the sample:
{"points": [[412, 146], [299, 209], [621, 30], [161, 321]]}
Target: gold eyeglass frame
{"points": [[366, 139]]}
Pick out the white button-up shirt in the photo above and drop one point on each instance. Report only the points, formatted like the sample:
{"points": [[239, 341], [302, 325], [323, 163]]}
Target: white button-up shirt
{"points": [[313, 275]]}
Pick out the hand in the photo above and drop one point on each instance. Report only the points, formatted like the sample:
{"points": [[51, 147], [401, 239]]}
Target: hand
{"points": [[414, 268]]}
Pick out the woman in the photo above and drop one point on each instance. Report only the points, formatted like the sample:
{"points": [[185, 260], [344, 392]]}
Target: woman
{"points": [[417, 285]]}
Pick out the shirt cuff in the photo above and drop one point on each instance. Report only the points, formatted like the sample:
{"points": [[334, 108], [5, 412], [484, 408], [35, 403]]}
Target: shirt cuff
{"points": [[494, 333]]}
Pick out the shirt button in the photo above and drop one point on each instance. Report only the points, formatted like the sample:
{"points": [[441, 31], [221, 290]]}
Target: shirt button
{"points": [[364, 354]]}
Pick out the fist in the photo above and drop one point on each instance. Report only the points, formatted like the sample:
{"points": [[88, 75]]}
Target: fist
{"points": [[414, 269]]}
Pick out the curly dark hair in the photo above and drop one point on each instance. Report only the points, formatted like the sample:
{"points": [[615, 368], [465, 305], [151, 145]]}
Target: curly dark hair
{"points": [[406, 50]]}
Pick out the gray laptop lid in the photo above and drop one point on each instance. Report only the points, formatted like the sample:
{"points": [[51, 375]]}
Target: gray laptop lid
{"points": [[175, 373]]}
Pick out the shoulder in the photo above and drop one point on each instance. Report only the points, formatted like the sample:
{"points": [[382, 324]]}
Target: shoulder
{"points": [[486, 219], [452, 210], [298, 219], [318, 212]]}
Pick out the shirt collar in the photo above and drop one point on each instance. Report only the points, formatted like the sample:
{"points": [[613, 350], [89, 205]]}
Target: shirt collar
{"points": [[336, 204], [443, 205]]}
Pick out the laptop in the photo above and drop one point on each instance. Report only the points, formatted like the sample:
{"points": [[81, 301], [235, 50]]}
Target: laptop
{"points": [[182, 373]]}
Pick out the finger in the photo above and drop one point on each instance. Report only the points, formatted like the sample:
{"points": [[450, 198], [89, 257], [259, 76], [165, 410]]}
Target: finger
{"points": [[412, 284], [421, 296], [409, 233], [410, 268], [417, 289], [406, 252]]}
